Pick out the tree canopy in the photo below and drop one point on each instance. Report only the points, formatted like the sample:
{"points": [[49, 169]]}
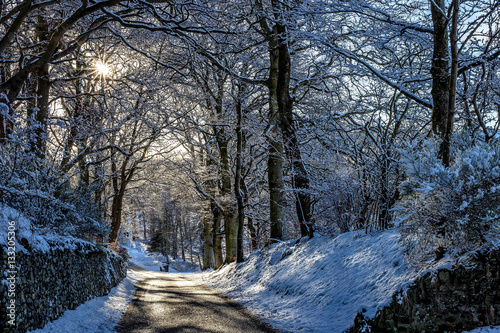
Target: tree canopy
{"points": [[252, 121]]}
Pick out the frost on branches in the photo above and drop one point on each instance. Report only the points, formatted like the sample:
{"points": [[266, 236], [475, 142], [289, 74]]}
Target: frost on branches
{"points": [[38, 191], [453, 209]]}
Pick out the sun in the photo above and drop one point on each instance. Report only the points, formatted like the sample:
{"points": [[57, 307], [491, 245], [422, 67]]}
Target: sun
{"points": [[101, 68]]}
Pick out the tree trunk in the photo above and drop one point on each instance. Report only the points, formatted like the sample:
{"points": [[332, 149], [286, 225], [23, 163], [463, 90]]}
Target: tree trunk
{"points": [[120, 183], [300, 177], [453, 81], [174, 236], [440, 79], [228, 202], [208, 243], [6, 123], [167, 222], [217, 235], [238, 179], [75, 118], [231, 231], [384, 201], [116, 215], [39, 116], [276, 183], [251, 227], [167, 230], [277, 204], [253, 234], [182, 236]]}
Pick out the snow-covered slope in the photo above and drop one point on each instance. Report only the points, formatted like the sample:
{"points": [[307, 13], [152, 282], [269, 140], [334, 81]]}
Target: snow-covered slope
{"points": [[317, 285]]}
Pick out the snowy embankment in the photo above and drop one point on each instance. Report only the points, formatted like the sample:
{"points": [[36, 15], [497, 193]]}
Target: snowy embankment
{"points": [[317, 285]]}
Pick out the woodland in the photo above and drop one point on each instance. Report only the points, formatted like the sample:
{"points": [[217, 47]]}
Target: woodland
{"points": [[218, 127]]}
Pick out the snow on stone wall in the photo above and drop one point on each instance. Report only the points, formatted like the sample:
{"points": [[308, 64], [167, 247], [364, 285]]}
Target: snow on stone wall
{"points": [[54, 280]]}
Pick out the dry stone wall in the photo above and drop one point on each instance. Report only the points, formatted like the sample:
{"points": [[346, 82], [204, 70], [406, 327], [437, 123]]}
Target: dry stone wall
{"points": [[448, 300], [52, 281]]}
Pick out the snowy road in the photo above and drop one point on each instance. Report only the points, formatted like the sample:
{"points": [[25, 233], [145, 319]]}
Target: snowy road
{"points": [[173, 303]]}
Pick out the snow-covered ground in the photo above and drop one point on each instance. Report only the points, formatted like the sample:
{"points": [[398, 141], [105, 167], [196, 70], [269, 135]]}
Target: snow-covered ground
{"points": [[140, 256], [297, 286], [316, 285]]}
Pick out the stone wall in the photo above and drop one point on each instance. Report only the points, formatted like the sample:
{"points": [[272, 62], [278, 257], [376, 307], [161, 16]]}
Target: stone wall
{"points": [[52, 281], [448, 300]]}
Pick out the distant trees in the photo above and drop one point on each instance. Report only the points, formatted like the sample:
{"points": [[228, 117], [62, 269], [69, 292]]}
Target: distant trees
{"points": [[172, 231]]}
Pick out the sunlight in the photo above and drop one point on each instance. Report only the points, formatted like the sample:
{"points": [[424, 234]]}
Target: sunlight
{"points": [[102, 69]]}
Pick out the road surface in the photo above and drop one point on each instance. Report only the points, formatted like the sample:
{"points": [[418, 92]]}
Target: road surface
{"points": [[172, 303]]}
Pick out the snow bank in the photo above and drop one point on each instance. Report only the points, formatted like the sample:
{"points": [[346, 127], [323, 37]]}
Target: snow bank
{"points": [[317, 285], [22, 224]]}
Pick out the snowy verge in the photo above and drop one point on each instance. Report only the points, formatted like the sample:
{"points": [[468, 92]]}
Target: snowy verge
{"points": [[316, 285], [98, 315]]}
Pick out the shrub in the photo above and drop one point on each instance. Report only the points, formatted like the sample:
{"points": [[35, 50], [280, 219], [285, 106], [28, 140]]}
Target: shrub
{"points": [[454, 209]]}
